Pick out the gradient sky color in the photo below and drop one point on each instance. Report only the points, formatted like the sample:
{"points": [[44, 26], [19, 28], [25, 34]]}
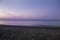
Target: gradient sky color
{"points": [[38, 9]]}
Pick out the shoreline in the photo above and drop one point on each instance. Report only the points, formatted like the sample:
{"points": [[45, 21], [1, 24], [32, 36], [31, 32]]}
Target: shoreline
{"points": [[31, 28], [36, 26]]}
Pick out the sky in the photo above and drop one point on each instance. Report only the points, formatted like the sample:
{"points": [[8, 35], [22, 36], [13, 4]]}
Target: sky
{"points": [[30, 9]]}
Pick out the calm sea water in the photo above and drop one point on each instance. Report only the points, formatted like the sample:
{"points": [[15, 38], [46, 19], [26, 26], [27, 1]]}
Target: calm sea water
{"points": [[30, 23]]}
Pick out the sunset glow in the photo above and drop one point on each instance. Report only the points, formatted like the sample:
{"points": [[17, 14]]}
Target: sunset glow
{"points": [[46, 9]]}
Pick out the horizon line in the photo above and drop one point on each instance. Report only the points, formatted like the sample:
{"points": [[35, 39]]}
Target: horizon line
{"points": [[29, 19]]}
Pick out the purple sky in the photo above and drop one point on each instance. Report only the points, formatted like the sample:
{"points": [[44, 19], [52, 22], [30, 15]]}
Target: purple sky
{"points": [[41, 9]]}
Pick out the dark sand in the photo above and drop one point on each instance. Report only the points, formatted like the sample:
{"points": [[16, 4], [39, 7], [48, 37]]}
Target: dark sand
{"points": [[42, 32]]}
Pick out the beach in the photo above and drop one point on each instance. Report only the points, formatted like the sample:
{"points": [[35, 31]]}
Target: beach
{"points": [[10, 32]]}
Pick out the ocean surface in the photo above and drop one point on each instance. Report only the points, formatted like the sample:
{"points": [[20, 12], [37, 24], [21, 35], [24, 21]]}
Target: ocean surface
{"points": [[30, 23]]}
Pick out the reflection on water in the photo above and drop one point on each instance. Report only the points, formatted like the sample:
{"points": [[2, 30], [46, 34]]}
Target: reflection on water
{"points": [[29, 23]]}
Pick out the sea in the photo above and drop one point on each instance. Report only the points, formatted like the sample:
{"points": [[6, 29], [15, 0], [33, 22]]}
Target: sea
{"points": [[30, 23]]}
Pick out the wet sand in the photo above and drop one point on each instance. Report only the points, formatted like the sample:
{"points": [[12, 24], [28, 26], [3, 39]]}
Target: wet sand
{"points": [[41, 28]]}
